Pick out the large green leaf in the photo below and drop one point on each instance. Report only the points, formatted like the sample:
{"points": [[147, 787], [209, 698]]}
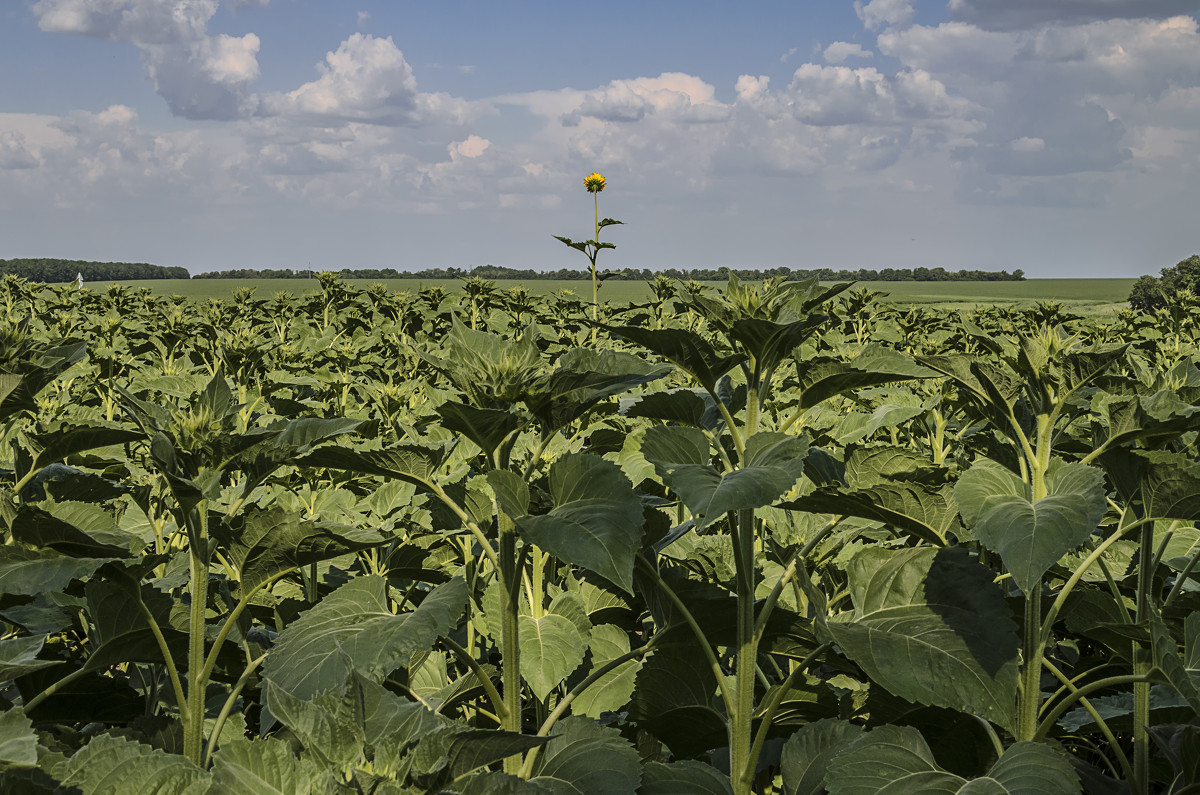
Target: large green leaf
{"points": [[487, 428], [355, 625], [34, 368], [457, 750], [807, 753], [18, 656], [1170, 485], [931, 627], [122, 632], [266, 543], [264, 767], [773, 463], [889, 757], [73, 528], [583, 378], [926, 512], [693, 407], [18, 743], [821, 379], [261, 452], [511, 490], [55, 447], [416, 464], [30, 572], [551, 648], [683, 778], [674, 699], [115, 766], [685, 348], [897, 761], [597, 518], [1031, 537], [1179, 672], [670, 446], [768, 343], [587, 758], [612, 691]]}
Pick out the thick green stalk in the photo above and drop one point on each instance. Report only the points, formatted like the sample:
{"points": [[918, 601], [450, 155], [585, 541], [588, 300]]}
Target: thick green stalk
{"points": [[1142, 663], [1030, 697], [510, 673], [741, 725], [193, 728]]}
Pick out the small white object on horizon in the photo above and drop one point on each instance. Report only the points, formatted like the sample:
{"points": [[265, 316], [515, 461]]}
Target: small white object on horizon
{"points": [[79, 280]]}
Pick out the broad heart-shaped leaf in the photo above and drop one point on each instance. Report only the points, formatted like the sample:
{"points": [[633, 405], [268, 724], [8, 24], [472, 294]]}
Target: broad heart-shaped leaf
{"points": [[923, 511], [1031, 537], [457, 750], [122, 633], [1153, 419], [597, 518], [892, 757], [773, 463], [673, 699], [683, 778], [24, 378], [77, 529], [807, 753], [585, 757], [511, 490], [29, 572], [693, 407], [263, 544], [931, 627], [897, 761], [769, 343], [582, 378], [355, 625], [487, 428], [264, 767], [113, 765], [612, 691], [55, 447], [18, 743], [1180, 674], [416, 464], [18, 656], [261, 452], [1170, 485], [685, 348], [823, 378], [342, 726], [551, 648], [671, 446]]}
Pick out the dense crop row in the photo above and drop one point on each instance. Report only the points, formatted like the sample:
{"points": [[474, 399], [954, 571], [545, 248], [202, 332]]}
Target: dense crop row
{"points": [[777, 538]]}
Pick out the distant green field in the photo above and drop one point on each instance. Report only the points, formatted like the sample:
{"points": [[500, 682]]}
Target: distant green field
{"points": [[1092, 294]]}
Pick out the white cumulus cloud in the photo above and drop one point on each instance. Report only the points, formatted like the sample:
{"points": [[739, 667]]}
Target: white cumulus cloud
{"points": [[200, 76], [366, 79], [879, 13], [839, 51]]}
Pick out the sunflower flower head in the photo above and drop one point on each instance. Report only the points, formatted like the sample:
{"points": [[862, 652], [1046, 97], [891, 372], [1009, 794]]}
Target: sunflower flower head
{"points": [[594, 182]]}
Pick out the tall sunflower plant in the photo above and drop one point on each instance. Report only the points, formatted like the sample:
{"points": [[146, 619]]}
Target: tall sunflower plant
{"points": [[595, 183]]}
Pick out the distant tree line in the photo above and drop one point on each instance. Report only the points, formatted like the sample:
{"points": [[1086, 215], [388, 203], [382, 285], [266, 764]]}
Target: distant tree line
{"points": [[1177, 284], [636, 274], [68, 270]]}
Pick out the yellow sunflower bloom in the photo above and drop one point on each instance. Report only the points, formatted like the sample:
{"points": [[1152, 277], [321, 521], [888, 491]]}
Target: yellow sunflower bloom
{"points": [[594, 182]]}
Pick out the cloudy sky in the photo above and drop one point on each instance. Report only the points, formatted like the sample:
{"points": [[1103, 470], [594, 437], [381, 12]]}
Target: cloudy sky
{"points": [[1057, 136]]}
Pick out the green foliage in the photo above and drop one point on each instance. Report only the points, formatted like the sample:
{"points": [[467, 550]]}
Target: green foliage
{"points": [[780, 537]]}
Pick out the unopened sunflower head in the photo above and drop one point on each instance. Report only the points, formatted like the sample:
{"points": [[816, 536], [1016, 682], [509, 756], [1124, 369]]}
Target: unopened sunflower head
{"points": [[594, 182]]}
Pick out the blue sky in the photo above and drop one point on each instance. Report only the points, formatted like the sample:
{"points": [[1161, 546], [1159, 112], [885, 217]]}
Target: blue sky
{"points": [[1057, 136]]}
